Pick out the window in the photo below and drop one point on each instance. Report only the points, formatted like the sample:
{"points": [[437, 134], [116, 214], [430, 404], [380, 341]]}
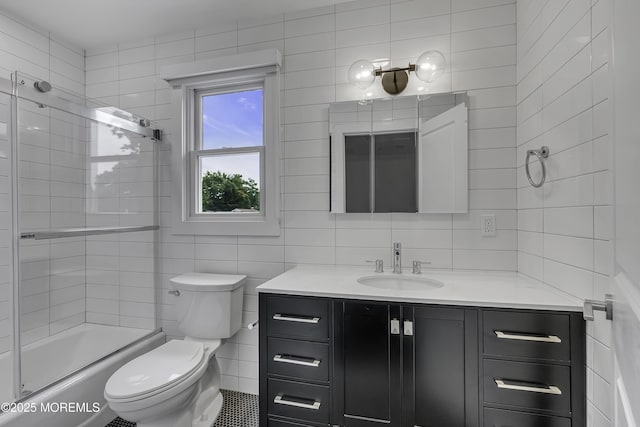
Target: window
{"points": [[227, 160], [226, 174]]}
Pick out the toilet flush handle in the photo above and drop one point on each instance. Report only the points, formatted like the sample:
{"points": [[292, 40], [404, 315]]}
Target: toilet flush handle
{"points": [[252, 325], [176, 293]]}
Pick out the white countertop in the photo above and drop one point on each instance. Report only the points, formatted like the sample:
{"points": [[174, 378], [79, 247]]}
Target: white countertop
{"points": [[469, 288]]}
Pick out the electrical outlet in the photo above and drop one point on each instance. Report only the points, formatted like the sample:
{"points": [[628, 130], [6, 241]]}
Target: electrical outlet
{"points": [[487, 225]]}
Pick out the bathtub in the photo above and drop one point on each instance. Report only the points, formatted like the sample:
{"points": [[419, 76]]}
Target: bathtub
{"points": [[91, 353]]}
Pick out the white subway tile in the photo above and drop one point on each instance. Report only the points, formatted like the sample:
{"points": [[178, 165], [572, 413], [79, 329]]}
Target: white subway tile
{"points": [[463, 5], [309, 25], [571, 221], [483, 18], [492, 138], [576, 281], [362, 17], [421, 27], [262, 33], [483, 78], [484, 259], [483, 38]]}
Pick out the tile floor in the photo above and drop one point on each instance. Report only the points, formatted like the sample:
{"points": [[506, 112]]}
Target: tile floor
{"points": [[239, 410]]}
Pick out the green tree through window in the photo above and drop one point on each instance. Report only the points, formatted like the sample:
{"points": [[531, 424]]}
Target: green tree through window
{"points": [[223, 192]]}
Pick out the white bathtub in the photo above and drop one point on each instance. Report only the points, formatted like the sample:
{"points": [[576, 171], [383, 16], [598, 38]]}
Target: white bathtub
{"points": [[53, 358]]}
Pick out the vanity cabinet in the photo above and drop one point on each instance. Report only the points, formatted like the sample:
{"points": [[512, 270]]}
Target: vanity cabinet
{"points": [[295, 361], [352, 363], [367, 364], [405, 365], [440, 366], [532, 368]]}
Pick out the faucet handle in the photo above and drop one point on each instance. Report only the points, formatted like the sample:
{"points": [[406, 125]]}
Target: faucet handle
{"points": [[417, 266], [379, 265]]}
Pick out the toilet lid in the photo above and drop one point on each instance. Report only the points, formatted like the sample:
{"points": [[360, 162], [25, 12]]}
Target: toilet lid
{"points": [[208, 282], [168, 364]]}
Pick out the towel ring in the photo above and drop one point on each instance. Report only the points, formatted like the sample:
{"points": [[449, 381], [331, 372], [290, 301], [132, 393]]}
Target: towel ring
{"points": [[541, 154]]}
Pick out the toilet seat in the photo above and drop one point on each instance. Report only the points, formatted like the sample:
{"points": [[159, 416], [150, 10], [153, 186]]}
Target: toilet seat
{"points": [[157, 371]]}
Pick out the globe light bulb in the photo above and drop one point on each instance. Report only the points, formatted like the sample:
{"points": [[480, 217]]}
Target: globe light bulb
{"points": [[430, 65], [362, 73]]}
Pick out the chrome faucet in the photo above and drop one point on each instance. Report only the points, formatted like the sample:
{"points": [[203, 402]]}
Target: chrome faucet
{"points": [[397, 258]]}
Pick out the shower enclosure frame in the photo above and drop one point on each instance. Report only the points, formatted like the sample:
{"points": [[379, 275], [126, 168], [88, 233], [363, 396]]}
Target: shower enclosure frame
{"points": [[23, 87]]}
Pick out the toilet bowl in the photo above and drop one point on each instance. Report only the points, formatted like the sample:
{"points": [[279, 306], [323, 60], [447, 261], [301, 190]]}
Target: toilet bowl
{"points": [[178, 383]]}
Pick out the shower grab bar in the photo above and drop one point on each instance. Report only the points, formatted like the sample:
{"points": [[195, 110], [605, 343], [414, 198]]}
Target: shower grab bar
{"points": [[541, 154], [80, 232]]}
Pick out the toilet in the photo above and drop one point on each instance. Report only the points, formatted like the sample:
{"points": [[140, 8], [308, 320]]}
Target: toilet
{"points": [[178, 383]]}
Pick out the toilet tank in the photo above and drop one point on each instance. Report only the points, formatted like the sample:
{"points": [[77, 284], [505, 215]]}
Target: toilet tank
{"points": [[209, 305]]}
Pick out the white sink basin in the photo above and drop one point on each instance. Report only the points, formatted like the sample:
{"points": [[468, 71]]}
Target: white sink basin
{"points": [[401, 283]]}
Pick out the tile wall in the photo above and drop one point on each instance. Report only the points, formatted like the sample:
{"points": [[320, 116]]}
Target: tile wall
{"points": [[478, 39], [49, 304], [564, 228]]}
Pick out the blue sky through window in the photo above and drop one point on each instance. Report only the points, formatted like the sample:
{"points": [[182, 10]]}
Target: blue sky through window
{"points": [[231, 120]]}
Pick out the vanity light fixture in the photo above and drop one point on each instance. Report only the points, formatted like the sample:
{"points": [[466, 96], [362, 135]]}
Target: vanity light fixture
{"points": [[429, 66]]}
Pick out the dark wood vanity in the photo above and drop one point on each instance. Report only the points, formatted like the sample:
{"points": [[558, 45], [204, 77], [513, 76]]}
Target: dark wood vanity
{"points": [[358, 363]]}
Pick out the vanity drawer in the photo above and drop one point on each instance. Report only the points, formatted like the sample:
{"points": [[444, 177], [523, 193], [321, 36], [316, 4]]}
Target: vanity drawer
{"points": [[298, 400], [292, 317], [527, 335], [281, 423], [528, 385], [502, 418], [299, 359]]}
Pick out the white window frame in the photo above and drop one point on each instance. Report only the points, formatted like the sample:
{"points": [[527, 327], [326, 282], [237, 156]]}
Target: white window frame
{"points": [[189, 83]]}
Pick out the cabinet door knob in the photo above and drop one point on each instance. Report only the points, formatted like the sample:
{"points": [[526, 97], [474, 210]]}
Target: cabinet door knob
{"points": [[407, 328], [395, 327]]}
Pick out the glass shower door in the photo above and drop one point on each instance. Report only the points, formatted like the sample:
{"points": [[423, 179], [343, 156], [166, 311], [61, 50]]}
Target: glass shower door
{"points": [[88, 225], [51, 153], [6, 279]]}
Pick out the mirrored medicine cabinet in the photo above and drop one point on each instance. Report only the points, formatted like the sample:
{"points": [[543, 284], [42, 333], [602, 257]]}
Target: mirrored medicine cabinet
{"points": [[404, 154]]}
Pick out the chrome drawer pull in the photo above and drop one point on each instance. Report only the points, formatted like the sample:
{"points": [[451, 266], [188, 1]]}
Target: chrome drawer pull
{"points": [[549, 389], [527, 337], [297, 361], [287, 318], [280, 401]]}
